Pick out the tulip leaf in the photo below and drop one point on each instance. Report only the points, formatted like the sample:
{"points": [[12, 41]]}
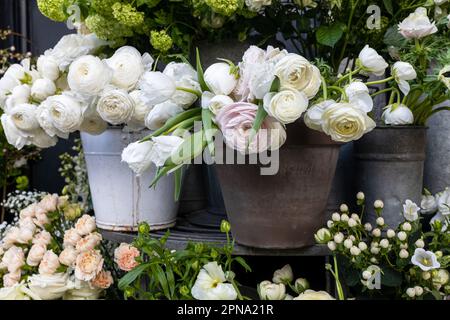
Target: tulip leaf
{"points": [[275, 87], [186, 124], [330, 35], [243, 263], [200, 74], [261, 115], [178, 182], [161, 172], [189, 149], [128, 278], [208, 127]]}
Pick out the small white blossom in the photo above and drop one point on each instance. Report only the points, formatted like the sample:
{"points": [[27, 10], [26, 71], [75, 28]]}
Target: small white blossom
{"points": [[384, 243], [331, 245], [420, 243], [406, 226], [380, 221], [344, 217], [368, 227], [343, 208], [338, 237], [378, 204], [348, 243], [410, 292], [376, 232], [390, 233], [362, 246], [402, 236], [418, 290], [355, 251], [352, 223], [336, 217], [403, 254]]}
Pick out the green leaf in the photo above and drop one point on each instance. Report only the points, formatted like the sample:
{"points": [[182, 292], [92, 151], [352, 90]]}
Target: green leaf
{"points": [[275, 87], [208, 127], [389, 7], [200, 74], [390, 277], [132, 275], [189, 149], [161, 172], [330, 35], [243, 263], [178, 182], [161, 277], [261, 115]]}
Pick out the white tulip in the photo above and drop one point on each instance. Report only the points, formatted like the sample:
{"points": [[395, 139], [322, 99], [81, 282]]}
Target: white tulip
{"points": [[396, 114], [24, 117], [417, 25], [219, 79], [211, 284], [156, 87], [410, 210], [271, 291], [178, 70], [49, 287], [138, 156], [160, 113], [66, 112], [260, 81], [216, 103], [403, 72], [115, 106], [141, 110], [128, 65], [164, 147], [184, 76], [43, 88], [48, 67], [89, 75], [372, 62], [358, 94]]}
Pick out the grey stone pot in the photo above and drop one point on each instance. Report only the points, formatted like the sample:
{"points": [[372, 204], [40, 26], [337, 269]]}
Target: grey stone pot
{"points": [[390, 166]]}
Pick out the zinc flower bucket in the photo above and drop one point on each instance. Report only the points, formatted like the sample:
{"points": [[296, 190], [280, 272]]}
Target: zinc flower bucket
{"points": [[122, 200], [282, 211]]}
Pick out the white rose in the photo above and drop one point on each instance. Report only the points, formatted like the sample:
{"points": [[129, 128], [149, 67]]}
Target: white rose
{"points": [[346, 122], [219, 79], [286, 106], [141, 110], [283, 275], [164, 147], [48, 67], [43, 88], [49, 263], [314, 295], [313, 116], [13, 259], [66, 113], [138, 156], [358, 93], [160, 113], [93, 123], [372, 62], [24, 117], [296, 72], [397, 115], [403, 72], [49, 287], [68, 256], [417, 25], [128, 66], [156, 87], [218, 102], [115, 106], [36, 254], [257, 5], [271, 291], [89, 75]]}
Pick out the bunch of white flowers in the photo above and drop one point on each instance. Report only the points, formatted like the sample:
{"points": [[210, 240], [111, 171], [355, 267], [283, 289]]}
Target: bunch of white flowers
{"points": [[439, 205]]}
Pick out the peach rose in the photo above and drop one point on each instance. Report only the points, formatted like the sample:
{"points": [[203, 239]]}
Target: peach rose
{"points": [[29, 211], [88, 264], [89, 242], [103, 280], [49, 263], [13, 259], [11, 237], [43, 237], [85, 225], [125, 256], [68, 256], [41, 218], [11, 279], [71, 238], [26, 230], [49, 203], [36, 254]]}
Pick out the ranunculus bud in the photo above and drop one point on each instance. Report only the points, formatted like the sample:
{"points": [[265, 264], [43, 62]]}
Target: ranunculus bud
{"points": [[219, 78], [271, 291], [398, 114], [283, 275]]}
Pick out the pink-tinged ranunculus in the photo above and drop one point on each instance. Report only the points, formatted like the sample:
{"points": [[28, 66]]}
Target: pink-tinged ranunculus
{"points": [[236, 121], [11, 237], [103, 280], [71, 238], [49, 263], [49, 203], [43, 237], [85, 225], [11, 279], [68, 256], [41, 218], [125, 256], [36, 254], [13, 259], [89, 242], [88, 265], [417, 25]]}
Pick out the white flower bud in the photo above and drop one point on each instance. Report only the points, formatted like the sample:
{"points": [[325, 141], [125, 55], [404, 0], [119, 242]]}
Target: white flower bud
{"points": [[420, 243], [352, 223], [374, 260], [336, 217], [344, 217], [355, 217], [362, 246], [426, 275], [403, 254], [411, 292], [375, 250], [343, 208], [404, 246], [360, 196], [406, 226], [368, 227], [330, 224], [380, 221], [366, 275], [348, 243], [390, 233], [331, 245], [402, 236], [352, 237], [355, 251], [418, 290], [384, 243], [378, 204], [376, 232], [338, 237]]}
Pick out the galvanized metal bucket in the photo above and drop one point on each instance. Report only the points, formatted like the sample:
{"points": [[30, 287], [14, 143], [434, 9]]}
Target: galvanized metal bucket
{"points": [[122, 200], [282, 211], [389, 167]]}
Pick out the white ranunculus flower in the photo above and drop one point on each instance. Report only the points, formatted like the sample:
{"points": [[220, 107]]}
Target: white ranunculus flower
{"points": [[428, 204], [43, 88], [7, 84], [346, 122], [89, 75], [177, 70], [444, 74], [128, 66], [81, 290], [295, 72], [14, 136], [141, 110], [92, 123], [443, 202], [218, 102], [372, 61], [115, 106], [49, 287], [219, 79], [20, 94], [156, 87], [314, 295], [48, 67], [283, 275], [42, 140], [271, 291], [17, 292], [211, 284], [46, 122], [138, 156], [313, 116], [425, 260], [261, 80], [164, 147], [397, 115], [417, 25], [403, 72], [411, 210], [65, 111], [160, 113], [257, 5], [24, 117], [358, 93], [286, 106]]}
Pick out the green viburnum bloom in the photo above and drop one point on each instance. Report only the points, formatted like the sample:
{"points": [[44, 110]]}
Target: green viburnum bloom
{"points": [[53, 9], [103, 7], [107, 29], [225, 7], [127, 15], [160, 40]]}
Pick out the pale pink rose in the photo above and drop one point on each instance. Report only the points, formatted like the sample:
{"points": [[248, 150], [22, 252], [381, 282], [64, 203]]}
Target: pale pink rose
{"points": [[68, 256], [71, 238], [103, 280], [125, 256], [26, 230], [49, 263], [11, 279], [28, 211], [89, 242], [43, 237], [88, 264], [49, 203], [41, 218], [236, 121], [13, 259], [36, 254], [85, 225], [11, 237]]}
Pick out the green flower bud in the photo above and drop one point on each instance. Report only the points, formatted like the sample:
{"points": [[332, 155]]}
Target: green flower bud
{"points": [[160, 40], [184, 291], [129, 292], [301, 285], [53, 9], [144, 228], [198, 248], [225, 7], [72, 211], [214, 254], [225, 226]]}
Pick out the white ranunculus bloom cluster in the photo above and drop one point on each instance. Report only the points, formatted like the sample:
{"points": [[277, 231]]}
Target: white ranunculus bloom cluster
{"points": [[439, 205]]}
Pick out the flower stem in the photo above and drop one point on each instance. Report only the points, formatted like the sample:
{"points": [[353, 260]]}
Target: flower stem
{"points": [[342, 91], [197, 93], [380, 81], [381, 91], [338, 282], [325, 88], [348, 75]]}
